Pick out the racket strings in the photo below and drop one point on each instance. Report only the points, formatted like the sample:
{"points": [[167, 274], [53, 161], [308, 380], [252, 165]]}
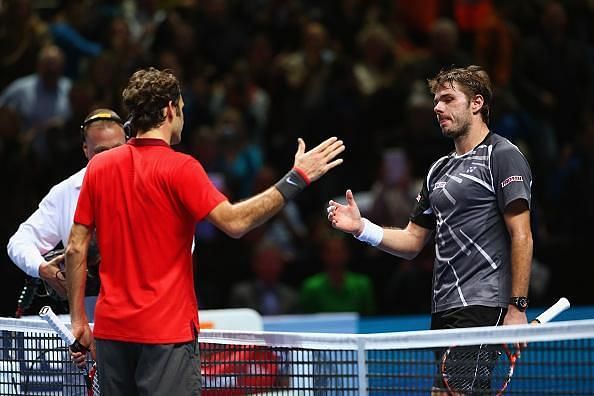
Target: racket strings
{"points": [[470, 369], [95, 384]]}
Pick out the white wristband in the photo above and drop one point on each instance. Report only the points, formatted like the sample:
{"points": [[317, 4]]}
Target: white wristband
{"points": [[372, 233]]}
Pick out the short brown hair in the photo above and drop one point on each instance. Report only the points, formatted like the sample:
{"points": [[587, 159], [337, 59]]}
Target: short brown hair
{"points": [[148, 92], [472, 80]]}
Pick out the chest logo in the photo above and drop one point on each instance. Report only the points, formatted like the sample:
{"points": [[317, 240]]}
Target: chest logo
{"points": [[439, 185]]}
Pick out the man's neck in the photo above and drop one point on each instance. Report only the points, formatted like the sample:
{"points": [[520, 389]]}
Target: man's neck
{"points": [[155, 133], [472, 139]]}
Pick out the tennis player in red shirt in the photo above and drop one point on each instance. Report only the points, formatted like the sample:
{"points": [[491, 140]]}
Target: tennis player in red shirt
{"points": [[144, 199]]}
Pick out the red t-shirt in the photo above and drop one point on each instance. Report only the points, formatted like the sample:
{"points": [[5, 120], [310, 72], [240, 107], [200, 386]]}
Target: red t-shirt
{"points": [[144, 200]]}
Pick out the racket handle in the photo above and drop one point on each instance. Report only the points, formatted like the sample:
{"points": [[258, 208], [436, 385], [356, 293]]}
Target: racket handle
{"points": [[55, 323], [554, 310]]}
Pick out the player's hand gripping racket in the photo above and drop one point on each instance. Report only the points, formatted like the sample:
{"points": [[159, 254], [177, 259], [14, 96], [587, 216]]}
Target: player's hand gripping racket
{"points": [[91, 380], [486, 368]]}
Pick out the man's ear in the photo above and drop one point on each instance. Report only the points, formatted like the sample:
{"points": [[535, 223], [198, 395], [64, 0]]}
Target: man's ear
{"points": [[85, 149], [477, 103], [170, 112]]}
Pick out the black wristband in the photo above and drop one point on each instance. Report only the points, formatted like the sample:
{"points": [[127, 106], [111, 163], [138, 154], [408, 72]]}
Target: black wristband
{"points": [[290, 184]]}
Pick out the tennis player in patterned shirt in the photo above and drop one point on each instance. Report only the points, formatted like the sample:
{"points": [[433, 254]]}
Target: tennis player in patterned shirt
{"points": [[474, 205]]}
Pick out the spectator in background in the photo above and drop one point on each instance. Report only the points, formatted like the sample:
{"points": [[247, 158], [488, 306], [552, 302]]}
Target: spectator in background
{"points": [[495, 43], [177, 33], [470, 17], [143, 18], [390, 201], [336, 288], [41, 99], [259, 57], [240, 159], [444, 51], [239, 91], [376, 67], [67, 32], [286, 230], [418, 17], [121, 45], [10, 144], [552, 70], [22, 35], [393, 192], [303, 76], [64, 140], [266, 293]]}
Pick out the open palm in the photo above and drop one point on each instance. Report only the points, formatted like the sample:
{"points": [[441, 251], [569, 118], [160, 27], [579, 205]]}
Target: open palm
{"points": [[347, 217]]}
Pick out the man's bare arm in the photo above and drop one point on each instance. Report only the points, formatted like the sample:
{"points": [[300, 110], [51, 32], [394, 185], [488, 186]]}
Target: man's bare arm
{"points": [[239, 218], [517, 220], [405, 243], [76, 270]]}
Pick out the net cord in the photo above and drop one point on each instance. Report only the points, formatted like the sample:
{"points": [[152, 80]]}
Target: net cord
{"points": [[553, 331]]}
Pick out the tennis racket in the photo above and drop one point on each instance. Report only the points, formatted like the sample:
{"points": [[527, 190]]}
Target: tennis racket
{"points": [[481, 368], [36, 287], [91, 380]]}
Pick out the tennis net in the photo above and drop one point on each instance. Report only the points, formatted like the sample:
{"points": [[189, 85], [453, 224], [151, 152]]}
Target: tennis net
{"points": [[559, 360]]}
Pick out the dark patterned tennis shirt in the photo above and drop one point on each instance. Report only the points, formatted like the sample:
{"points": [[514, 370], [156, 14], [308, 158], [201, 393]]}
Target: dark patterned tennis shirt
{"points": [[462, 199]]}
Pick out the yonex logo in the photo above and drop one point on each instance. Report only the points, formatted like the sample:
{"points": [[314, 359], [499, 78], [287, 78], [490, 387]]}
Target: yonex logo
{"points": [[511, 179], [439, 185]]}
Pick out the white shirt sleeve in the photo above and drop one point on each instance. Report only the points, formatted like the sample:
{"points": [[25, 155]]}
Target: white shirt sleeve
{"points": [[39, 234]]}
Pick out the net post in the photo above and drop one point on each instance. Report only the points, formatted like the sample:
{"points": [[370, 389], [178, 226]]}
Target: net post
{"points": [[362, 366]]}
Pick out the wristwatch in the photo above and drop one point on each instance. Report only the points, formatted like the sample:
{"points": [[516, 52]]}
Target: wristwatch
{"points": [[520, 302]]}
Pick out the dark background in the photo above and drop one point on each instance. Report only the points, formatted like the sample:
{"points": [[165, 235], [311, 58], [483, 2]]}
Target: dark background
{"points": [[259, 74]]}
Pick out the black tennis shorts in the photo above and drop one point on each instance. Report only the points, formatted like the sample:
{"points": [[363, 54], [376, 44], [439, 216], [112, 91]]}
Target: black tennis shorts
{"points": [[474, 378]]}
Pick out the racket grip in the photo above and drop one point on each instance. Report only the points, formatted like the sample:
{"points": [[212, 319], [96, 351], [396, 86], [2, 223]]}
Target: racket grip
{"points": [[553, 311], [78, 347]]}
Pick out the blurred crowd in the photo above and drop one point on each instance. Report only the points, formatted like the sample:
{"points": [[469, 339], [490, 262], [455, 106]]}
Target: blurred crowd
{"points": [[258, 74]]}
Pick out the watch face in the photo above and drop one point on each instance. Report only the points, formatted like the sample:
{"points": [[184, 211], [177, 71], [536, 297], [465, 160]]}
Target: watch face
{"points": [[520, 302]]}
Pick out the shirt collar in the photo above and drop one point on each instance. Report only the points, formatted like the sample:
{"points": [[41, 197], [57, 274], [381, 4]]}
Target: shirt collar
{"points": [[78, 177], [147, 142]]}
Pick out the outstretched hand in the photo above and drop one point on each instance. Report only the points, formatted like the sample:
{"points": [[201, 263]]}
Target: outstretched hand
{"points": [[320, 159], [347, 217]]}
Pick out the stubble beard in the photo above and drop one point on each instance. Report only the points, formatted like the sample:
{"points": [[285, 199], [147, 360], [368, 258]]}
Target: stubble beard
{"points": [[456, 133]]}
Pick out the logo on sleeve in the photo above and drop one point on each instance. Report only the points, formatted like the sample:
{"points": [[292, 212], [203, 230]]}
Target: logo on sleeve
{"points": [[511, 179]]}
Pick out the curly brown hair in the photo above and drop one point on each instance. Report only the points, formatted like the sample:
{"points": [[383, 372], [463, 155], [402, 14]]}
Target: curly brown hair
{"points": [[472, 80], [148, 92]]}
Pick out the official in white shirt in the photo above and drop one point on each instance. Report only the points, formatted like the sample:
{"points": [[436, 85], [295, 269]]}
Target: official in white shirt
{"points": [[50, 224]]}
